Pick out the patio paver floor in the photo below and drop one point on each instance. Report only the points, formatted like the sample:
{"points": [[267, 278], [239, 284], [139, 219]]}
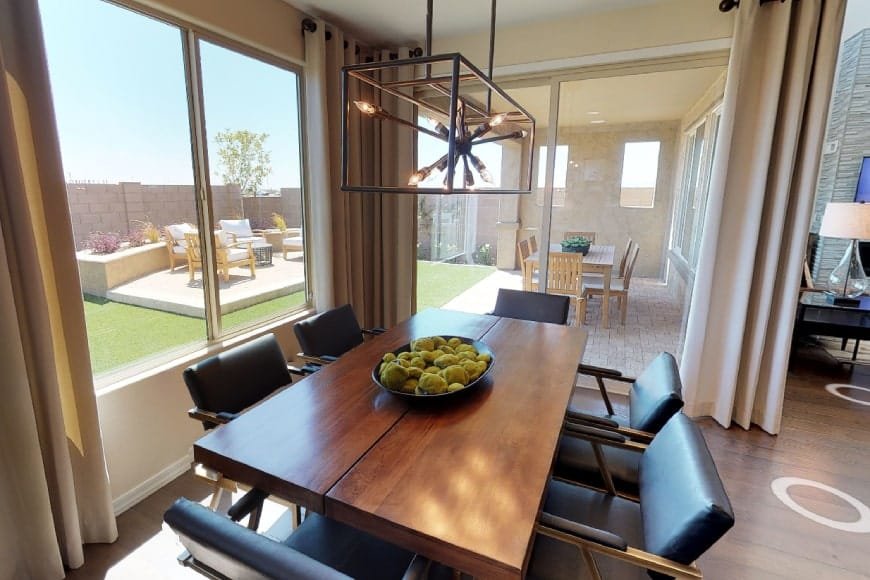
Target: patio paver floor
{"points": [[174, 292], [653, 322]]}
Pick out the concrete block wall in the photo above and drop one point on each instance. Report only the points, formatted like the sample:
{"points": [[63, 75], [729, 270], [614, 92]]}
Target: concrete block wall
{"points": [[117, 207]]}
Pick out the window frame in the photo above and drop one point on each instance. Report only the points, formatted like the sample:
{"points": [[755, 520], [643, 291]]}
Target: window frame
{"points": [[652, 202], [685, 252], [191, 35]]}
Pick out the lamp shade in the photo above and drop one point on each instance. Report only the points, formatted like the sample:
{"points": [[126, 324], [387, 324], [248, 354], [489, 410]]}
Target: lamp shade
{"points": [[846, 220]]}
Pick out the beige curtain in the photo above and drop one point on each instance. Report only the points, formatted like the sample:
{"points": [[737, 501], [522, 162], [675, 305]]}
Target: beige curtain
{"points": [[761, 195], [372, 236], [54, 492]]}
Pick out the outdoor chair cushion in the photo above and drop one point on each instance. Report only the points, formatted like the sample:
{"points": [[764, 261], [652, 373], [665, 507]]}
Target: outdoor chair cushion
{"points": [[236, 254], [177, 232], [240, 228], [180, 249], [597, 283], [293, 242]]}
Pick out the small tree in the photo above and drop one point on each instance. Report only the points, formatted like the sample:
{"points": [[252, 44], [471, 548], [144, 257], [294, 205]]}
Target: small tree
{"points": [[244, 160]]}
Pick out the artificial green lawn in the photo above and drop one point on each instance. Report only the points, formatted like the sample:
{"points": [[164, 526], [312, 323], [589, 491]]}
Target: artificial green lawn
{"points": [[119, 334], [438, 284]]}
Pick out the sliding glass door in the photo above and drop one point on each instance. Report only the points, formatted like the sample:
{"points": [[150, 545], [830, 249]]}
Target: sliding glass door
{"points": [[175, 149]]}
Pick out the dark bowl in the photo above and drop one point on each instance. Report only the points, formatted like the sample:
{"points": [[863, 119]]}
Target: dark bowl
{"points": [[481, 349]]}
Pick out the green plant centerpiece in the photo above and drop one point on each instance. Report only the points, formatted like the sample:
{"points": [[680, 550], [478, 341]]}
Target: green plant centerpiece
{"points": [[578, 245]]}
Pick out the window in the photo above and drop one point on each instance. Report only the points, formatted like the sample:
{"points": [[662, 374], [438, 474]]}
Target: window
{"points": [[699, 149], [640, 169], [127, 108]]}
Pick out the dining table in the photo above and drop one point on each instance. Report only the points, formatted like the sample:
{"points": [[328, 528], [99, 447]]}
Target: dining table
{"points": [[599, 260], [457, 479]]}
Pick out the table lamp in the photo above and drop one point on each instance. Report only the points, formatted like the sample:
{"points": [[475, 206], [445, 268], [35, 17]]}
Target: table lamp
{"points": [[849, 221]]}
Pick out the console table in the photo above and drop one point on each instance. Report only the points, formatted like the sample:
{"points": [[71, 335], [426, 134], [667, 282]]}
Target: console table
{"points": [[815, 315]]}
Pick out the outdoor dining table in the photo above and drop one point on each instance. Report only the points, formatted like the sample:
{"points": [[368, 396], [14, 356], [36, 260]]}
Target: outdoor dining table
{"points": [[459, 480], [599, 260]]}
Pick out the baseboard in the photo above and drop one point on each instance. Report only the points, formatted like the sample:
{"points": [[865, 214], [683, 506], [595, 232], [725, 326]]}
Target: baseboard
{"points": [[130, 498]]}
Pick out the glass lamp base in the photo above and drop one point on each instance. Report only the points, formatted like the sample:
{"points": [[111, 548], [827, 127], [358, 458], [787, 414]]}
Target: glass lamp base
{"points": [[848, 278]]}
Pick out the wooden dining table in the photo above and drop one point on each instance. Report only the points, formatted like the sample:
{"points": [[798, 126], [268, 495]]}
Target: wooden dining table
{"points": [[460, 480], [599, 260]]}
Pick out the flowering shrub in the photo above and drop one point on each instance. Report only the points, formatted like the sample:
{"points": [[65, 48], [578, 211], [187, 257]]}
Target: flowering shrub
{"points": [[137, 238], [103, 242]]}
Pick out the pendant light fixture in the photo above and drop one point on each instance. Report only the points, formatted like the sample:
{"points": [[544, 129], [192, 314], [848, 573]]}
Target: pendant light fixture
{"points": [[471, 136]]}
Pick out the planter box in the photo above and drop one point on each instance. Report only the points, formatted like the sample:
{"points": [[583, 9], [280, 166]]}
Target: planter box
{"points": [[100, 273]]}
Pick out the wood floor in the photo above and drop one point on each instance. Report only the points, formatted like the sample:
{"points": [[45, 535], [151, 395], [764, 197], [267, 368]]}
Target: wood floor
{"points": [[823, 438]]}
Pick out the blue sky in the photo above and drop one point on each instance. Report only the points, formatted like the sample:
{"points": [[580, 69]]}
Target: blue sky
{"points": [[120, 99]]}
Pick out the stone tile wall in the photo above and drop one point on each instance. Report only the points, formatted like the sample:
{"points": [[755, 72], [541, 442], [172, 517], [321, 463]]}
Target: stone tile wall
{"points": [[848, 140]]}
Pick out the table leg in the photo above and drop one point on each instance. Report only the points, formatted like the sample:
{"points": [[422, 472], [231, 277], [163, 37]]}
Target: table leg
{"points": [[605, 300]]}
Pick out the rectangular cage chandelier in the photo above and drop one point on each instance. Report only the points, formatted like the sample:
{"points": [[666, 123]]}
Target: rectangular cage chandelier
{"points": [[469, 135]]}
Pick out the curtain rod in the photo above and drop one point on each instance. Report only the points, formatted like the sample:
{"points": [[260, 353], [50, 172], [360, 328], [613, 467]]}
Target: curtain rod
{"points": [[729, 5]]}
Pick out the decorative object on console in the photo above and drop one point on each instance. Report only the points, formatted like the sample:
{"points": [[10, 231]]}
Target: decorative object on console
{"points": [[457, 99], [849, 221]]}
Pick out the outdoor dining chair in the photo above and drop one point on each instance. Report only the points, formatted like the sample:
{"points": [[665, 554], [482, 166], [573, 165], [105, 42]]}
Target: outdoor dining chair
{"points": [[682, 511], [320, 547], [588, 235], [618, 287]]}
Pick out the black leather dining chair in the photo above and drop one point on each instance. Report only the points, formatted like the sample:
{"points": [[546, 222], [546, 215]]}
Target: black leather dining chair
{"points": [[654, 397], [224, 385], [328, 335], [319, 548], [683, 510], [533, 306]]}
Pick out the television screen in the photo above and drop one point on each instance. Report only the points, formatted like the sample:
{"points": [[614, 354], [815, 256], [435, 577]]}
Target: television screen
{"points": [[862, 192]]}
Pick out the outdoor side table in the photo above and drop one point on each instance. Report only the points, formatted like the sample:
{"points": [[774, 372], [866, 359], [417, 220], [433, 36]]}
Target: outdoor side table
{"points": [[262, 253]]}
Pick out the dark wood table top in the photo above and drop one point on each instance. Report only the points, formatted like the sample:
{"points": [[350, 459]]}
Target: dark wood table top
{"points": [[300, 442], [463, 483]]}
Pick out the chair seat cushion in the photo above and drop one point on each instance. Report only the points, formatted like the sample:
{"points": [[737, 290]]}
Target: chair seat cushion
{"points": [[295, 241], [576, 461], [179, 249], [554, 559], [351, 551], [237, 254]]}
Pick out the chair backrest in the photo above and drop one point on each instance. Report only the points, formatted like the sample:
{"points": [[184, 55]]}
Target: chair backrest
{"points": [[524, 248], [683, 503], [234, 551], [629, 266], [564, 270], [533, 306], [656, 395], [533, 243], [628, 245], [330, 333], [588, 235], [238, 377], [240, 228], [175, 233]]}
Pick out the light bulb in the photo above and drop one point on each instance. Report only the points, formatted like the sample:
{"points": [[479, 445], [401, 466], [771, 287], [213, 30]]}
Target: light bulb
{"points": [[497, 120], [415, 178], [366, 108]]}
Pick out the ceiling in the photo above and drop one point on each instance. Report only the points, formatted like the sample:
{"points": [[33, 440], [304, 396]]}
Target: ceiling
{"points": [[404, 21], [661, 96]]}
